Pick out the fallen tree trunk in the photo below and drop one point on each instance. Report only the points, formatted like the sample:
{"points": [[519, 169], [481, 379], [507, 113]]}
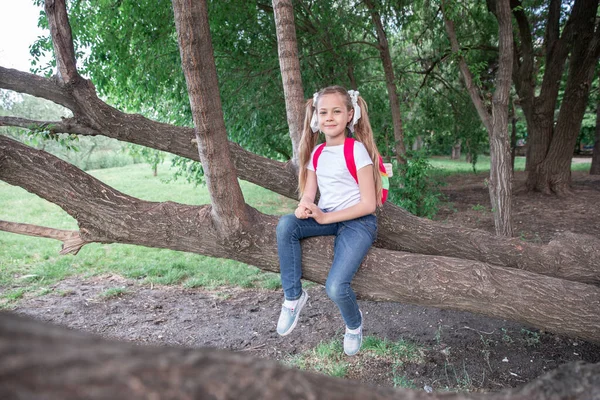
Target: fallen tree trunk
{"points": [[574, 258], [40, 361], [108, 216]]}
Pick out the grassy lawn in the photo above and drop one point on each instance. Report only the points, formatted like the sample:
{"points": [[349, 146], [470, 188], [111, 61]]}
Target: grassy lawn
{"points": [[446, 166], [390, 357], [29, 264]]}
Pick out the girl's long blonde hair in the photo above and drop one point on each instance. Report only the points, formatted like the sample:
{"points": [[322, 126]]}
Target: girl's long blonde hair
{"points": [[362, 132]]}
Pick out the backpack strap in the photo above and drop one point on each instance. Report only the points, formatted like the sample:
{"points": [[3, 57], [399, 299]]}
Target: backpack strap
{"points": [[349, 156], [317, 155]]}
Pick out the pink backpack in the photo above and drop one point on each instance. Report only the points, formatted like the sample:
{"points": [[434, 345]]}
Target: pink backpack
{"points": [[351, 164]]}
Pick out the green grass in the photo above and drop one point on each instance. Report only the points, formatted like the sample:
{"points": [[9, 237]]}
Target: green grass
{"points": [[446, 166], [328, 358], [114, 292], [30, 264]]}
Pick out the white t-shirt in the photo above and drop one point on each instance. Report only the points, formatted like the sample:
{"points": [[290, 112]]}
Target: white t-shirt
{"points": [[338, 188]]}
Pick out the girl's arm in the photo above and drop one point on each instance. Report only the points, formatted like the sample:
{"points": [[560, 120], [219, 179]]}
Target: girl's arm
{"points": [[310, 191], [367, 204]]}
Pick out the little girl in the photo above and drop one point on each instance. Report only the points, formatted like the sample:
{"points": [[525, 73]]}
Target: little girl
{"points": [[346, 206]]}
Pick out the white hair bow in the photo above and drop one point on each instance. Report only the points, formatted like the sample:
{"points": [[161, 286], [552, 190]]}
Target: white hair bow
{"points": [[354, 97], [314, 122]]}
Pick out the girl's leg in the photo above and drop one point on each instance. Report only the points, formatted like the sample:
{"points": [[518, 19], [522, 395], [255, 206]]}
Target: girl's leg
{"points": [[289, 232], [352, 243]]}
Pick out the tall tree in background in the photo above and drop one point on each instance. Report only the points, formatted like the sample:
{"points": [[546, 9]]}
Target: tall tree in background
{"points": [[496, 122], [390, 82], [570, 42], [595, 167]]}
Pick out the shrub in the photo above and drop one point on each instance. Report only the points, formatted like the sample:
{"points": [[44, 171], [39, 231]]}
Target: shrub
{"points": [[413, 187]]}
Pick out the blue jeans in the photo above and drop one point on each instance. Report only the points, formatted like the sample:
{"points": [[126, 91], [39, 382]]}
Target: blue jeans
{"points": [[353, 239]]}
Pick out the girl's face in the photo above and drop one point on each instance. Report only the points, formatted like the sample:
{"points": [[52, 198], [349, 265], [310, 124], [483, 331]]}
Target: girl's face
{"points": [[333, 117]]}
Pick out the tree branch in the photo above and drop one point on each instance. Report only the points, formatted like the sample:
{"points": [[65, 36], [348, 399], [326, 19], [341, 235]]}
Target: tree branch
{"points": [[24, 82], [198, 63], [558, 51], [67, 125], [552, 34], [523, 70], [72, 241], [289, 65], [62, 40], [466, 73]]}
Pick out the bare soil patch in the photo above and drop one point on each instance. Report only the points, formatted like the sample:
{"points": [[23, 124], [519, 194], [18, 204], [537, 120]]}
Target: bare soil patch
{"points": [[461, 350]]}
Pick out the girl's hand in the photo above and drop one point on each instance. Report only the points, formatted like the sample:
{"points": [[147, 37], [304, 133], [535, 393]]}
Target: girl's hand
{"points": [[316, 213], [302, 212]]}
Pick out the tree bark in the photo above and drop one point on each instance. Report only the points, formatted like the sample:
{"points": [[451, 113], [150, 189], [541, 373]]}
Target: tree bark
{"points": [[108, 216], [513, 136], [550, 146], [289, 64], [496, 124], [500, 159], [555, 170], [198, 63], [595, 167], [574, 257], [62, 40], [456, 149], [390, 82], [86, 366]]}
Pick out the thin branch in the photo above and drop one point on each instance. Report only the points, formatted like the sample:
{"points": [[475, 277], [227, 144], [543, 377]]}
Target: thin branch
{"points": [[471, 88], [72, 241], [67, 125], [552, 34], [62, 40]]}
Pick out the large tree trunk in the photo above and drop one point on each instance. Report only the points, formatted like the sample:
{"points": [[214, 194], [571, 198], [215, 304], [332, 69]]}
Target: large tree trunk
{"points": [[550, 146], [289, 65], [198, 63], [107, 216], [390, 82], [41, 361], [496, 124], [573, 257], [500, 160], [595, 167]]}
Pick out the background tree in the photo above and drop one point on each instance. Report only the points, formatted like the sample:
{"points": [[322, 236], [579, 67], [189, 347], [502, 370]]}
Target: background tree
{"points": [[595, 168], [496, 122], [558, 41], [390, 81]]}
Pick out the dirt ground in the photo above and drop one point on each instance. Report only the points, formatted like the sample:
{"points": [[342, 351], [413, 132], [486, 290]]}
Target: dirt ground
{"points": [[462, 351]]}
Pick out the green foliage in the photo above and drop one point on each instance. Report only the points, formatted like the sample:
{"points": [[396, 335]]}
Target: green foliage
{"points": [[150, 156], [189, 170], [414, 188]]}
